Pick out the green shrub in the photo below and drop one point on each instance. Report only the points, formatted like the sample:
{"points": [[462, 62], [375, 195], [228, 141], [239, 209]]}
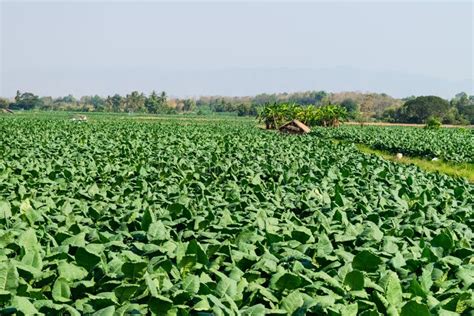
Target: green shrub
{"points": [[433, 123]]}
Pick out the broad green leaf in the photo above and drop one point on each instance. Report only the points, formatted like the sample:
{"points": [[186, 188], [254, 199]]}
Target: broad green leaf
{"points": [[286, 280], [33, 258], [151, 285], [148, 218], [355, 280], [107, 311], [366, 261], [292, 302], [86, 258], [195, 248], [226, 286], [5, 210], [93, 190], [125, 292], [131, 309], [413, 308], [393, 290], [24, 305], [160, 305], [350, 310], [76, 240], [324, 245], [191, 284], [444, 241], [157, 231], [466, 275], [70, 271], [61, 291], [417, 289], [9, 278], [134, 269], [426, 280], [28, 240], [255, 310]]}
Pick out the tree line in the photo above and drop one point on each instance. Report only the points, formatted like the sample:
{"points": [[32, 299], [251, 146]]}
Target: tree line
{"points": [[359, 106], [459, 110], [162, 103], [132, 102]]}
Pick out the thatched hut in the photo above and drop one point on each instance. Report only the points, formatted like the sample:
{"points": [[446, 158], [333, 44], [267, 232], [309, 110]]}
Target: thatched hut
{"points": [[294, 127]]}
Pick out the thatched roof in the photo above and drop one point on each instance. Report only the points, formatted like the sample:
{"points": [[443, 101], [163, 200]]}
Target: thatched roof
{"points": [[295, 126]]}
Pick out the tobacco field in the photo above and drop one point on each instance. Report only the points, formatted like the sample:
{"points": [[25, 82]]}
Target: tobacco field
{"points": [[450, 144], [218, 217]]}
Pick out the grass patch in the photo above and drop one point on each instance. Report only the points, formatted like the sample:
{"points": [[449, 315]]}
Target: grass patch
{"points": [[465, 170]]}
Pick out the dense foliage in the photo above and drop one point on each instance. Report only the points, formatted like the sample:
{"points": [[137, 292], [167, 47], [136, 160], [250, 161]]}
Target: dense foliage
{"points": [[433, 123], [359, 106], [464, 106], [275, 114], [418, 110], [218, 217], [450, 144]]}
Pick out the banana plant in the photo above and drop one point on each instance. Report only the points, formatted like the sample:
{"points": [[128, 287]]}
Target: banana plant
{"points": [[274, 114], [331, 115]]}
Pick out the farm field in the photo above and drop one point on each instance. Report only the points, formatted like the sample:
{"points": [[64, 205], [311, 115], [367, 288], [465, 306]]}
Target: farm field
{"points": [[187, 216], [453, 144]]}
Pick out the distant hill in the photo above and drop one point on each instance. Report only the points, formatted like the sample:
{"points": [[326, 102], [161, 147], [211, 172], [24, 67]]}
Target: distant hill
{"points": [[230, 82]]}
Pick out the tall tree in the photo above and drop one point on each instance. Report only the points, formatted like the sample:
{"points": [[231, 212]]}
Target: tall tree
{"points": [[27, 101], [163, 101], [114, 102], [465, 106], [151, 103], [350, 105], [135, 102], [189, 105], [418, 110], [4, 103], [156, 103]]}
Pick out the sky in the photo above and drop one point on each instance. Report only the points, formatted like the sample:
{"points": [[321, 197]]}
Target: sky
{"points": [[236, 48]]}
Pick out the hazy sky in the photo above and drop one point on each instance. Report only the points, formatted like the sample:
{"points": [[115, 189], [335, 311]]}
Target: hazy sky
{"points": [[201, 48]]}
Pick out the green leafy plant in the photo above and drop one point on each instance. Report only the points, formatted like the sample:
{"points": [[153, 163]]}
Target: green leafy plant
{"points": [[450, 144], [274, 115], [433, 123], [191, 216]]}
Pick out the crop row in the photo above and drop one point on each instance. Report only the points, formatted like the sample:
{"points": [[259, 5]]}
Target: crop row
{"points": [[450, 144]]}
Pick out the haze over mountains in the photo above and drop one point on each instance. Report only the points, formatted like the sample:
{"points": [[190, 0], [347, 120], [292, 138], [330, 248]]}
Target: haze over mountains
{"points": [[234, 82]]}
